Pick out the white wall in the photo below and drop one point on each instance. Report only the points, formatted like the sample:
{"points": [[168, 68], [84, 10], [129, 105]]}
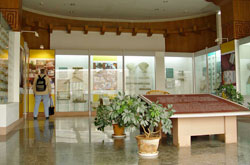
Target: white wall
{"points": [[109, 41], [14, 67], [9, 114]]}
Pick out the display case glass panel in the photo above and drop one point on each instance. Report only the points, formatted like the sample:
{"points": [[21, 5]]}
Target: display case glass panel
{"points": [[178, 75], [4, 46], [139, 74], [245, 69], [214, 70], [201, 74], [71, 83], [106, 78]]}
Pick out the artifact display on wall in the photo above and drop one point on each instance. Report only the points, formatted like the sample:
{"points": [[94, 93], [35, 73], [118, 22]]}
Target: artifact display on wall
{"points": [[214, 70], [228, 68], [105, 76], [35, 64], [139, 74], [178, 75]]}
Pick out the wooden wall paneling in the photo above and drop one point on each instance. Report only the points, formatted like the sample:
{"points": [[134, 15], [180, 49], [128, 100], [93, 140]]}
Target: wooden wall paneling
{"points": [[193, 27], [191, 42], [10, 4], [35, 42], [12, 17], [12, 12], [235, 16]]}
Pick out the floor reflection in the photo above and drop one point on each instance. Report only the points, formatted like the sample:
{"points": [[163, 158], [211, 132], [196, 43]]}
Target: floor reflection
{"points": [[76, 141]]}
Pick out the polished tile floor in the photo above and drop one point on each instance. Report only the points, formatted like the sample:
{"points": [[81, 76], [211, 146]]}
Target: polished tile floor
{"points": [[73, 141]]}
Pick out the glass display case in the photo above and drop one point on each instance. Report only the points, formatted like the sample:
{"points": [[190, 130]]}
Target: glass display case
{"points": [[71, 83], [139, 74], [244, 51], [106, 78], [179, 75], [214, 70], [4, 46], [201, 74]]}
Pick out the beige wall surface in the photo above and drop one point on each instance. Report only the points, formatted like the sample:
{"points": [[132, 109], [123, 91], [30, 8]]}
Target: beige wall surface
{"points": [[110, 41]]}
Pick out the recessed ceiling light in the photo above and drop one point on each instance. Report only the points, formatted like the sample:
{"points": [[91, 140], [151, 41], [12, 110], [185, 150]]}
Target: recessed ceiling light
{"points": [[157, 9], [72, 4], [165, 1]]}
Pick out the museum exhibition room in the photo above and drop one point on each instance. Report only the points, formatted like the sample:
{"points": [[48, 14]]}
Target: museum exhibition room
{"points": [[124, 82]]}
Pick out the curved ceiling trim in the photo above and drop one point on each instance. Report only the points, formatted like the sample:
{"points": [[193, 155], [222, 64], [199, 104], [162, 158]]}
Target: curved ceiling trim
{"points": [[115, 20]]}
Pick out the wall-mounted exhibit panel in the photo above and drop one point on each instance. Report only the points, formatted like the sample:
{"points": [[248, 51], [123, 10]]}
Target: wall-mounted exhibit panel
{"points": [[201, 74], [214, 71], [139, 74], [4, 46], [71, 83], [179, 75], [106, 78]]}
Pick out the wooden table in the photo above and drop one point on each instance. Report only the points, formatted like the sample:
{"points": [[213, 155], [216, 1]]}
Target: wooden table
{"points": [[201, 114]]}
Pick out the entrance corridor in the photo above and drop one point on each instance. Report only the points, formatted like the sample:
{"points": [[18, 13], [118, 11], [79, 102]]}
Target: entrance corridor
{"points": [[76, 141]]}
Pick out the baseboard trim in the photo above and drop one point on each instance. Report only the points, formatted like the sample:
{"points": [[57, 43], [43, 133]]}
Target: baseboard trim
{"points": [[6, 130]]}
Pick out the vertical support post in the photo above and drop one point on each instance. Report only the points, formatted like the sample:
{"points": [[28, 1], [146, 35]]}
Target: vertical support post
{"points": [[237, 65], [194, 75], [160, 71], [14, 67]]}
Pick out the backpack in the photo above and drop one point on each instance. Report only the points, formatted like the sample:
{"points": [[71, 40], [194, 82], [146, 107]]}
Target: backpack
{"points": [[41, 84]]}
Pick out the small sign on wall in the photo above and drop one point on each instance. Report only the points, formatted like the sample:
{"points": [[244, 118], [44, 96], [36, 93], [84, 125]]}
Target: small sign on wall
{"points": [[169, 72]]}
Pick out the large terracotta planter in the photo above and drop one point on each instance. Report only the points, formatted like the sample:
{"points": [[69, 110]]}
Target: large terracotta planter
{"points": [[147, 146], [118, 131]]}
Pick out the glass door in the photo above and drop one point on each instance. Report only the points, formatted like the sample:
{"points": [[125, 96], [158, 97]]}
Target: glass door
{"points": [[201, 74], [71, 83], [106, 78]]}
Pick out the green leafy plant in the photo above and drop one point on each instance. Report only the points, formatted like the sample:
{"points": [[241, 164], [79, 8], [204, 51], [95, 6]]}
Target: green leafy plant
{"points": [[113, 113], [102, 119], [132, 112], [248, 105], [150, 116], [229, 92]]}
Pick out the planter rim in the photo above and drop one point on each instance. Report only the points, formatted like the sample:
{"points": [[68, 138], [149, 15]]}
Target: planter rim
{"points": [[143, 137]]}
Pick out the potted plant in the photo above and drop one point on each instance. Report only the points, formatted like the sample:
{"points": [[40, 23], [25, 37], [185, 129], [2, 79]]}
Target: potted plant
{"points": [[131, 112], [149, 117], [228, 91], [112, 114]]}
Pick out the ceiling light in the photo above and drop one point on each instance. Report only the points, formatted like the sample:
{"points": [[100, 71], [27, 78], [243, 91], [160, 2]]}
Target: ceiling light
{"points": [[41, 47], [219, 12], [72, 4], [36, 34], [165, 1]]}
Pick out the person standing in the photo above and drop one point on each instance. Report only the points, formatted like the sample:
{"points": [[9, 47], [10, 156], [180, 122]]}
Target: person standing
{"points": [[42, 91]]}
